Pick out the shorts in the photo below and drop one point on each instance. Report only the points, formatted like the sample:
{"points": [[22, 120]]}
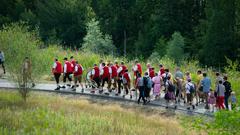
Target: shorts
{"points": [[78, 78], [189, 97]]}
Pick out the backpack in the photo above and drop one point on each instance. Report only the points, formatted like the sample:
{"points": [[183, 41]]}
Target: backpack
{"points": [[192, 89], [147, 82], [171, 87], [165, 78]]}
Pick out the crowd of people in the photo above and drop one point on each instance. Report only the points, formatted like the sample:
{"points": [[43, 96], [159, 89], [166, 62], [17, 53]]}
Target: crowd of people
{"points": [[149, 85], [177, 87]]}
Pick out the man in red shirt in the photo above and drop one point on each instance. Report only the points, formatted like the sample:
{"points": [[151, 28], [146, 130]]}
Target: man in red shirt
{"points": [[96, 75], [151, 73], [67, 72], [113, 76], [57, 71], [161, 70], [105, 75], [73, 61], [78, 71], [126, 79], [137, 68], [121, 70]]}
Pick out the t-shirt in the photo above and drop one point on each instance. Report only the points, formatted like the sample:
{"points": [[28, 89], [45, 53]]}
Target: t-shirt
{"points": [[220, 89], [140, 82], [199, 78], [206, 83], [2, 57], [179, 74], [188, 87]]}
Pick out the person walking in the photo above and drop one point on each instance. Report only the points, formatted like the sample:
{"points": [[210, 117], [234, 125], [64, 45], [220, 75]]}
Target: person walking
{"points": [[218, 78], [165, 77], [151, 72], [121, 70], [199, 92], [57, 71], [140, 87], [67, 72], [157, 82], [78, 72], [137, 68], [220, 89], [95, 75], [232, 101], [228, 90], [113, 77], [212, 100], [27, 72], [170, 89], [206, 85], [178, 74], [126, 79], [2, 60], [105, 75], [148, 86], [190, 90], [161, 70]]}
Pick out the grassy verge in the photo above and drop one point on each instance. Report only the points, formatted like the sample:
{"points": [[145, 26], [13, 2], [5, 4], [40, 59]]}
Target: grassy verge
{"points": [[53, 114]]}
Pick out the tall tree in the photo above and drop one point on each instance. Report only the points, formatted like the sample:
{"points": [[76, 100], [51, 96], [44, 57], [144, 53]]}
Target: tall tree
{"points": [[97, 42], [175, 47], [219, 40], [66, 18]]}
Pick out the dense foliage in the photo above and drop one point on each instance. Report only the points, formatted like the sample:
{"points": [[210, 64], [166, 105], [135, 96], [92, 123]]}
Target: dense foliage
{"points": [[138, 27]]}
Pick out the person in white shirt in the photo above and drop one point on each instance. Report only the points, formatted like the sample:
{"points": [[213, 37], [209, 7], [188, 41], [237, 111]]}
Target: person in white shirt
{"points": [[2, 59], [148, 68], [100, 65], [190, 90]]}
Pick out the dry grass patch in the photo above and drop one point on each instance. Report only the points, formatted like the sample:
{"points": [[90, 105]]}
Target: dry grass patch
{"points": [[55, 114]]}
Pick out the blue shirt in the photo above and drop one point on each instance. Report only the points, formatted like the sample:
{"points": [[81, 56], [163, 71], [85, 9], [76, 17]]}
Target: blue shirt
{"points": [[206, 83]]}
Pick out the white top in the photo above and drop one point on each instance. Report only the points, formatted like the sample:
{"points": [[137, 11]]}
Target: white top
{"points": [[76, 68], [100, 66], [187, 87], [93, 72], [168, 75], [119, 70], [148, 71], [135, 68], [54, 65], [65, 68]]}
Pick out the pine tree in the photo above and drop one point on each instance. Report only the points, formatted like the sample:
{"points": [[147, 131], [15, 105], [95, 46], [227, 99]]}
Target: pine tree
{"points": [[219, 40], [175, 47], [95, 41]]}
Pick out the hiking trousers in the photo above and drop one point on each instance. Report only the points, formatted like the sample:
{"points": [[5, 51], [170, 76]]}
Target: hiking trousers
{"points": [[57, 76]]}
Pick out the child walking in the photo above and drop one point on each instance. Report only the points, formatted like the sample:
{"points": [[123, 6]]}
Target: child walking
{"points": [[212, 100]]}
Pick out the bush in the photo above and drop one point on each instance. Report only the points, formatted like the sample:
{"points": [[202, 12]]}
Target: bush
{"points": [[17, 43]]}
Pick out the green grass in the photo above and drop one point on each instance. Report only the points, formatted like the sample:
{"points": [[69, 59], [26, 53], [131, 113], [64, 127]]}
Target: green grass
{"points": [[52, 114]]}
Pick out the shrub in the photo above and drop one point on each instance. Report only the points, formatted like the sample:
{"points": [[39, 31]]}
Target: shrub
{"points": [[18, 43]]}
